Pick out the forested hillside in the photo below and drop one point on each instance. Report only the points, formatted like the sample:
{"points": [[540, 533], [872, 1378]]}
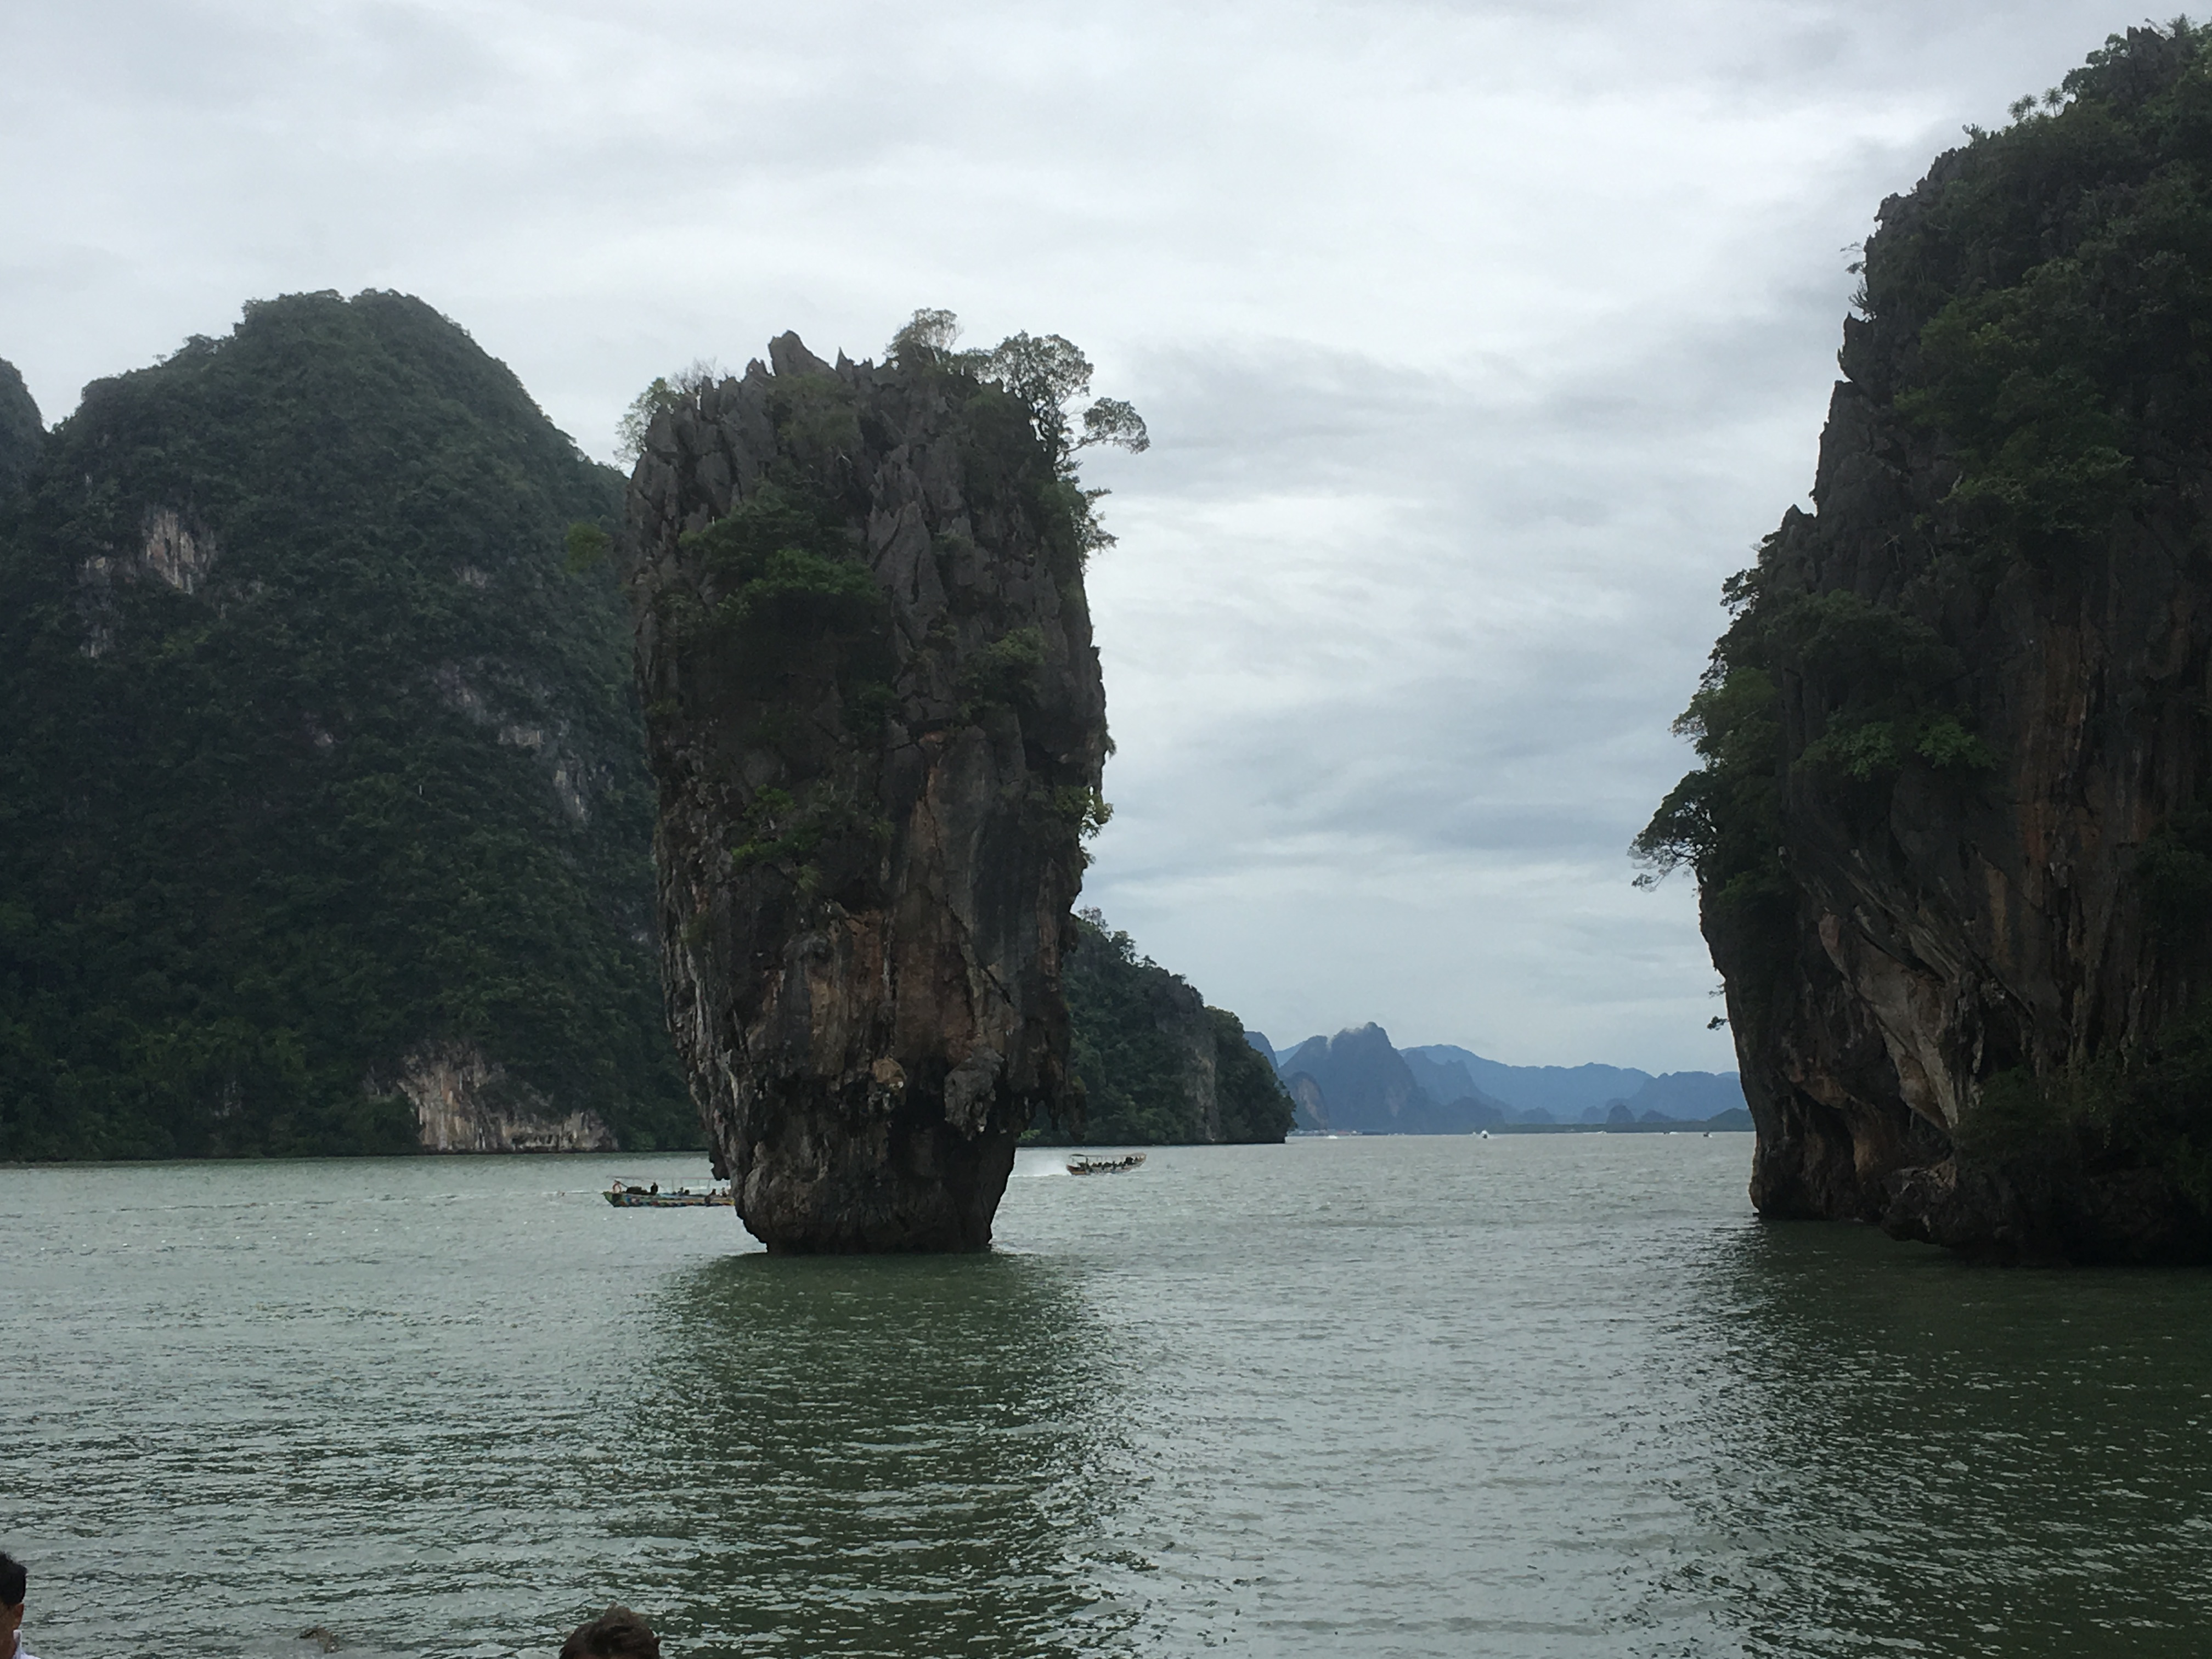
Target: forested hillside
{"points": [[325, 824], [1157, 1063]]}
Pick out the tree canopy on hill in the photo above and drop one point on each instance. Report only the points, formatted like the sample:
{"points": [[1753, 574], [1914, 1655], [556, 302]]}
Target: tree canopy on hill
{"points": [[315, 751], [1157, 1065]]}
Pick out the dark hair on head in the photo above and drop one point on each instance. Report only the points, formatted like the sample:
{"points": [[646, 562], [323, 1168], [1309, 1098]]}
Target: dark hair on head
{"points": [[12, 1580], [618, 1633]]}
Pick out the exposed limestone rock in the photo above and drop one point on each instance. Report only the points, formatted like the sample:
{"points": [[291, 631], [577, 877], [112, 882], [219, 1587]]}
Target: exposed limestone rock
{"points": [[875, 716], [576, 783], [171, 552], [464, 1103], [174, 552]]}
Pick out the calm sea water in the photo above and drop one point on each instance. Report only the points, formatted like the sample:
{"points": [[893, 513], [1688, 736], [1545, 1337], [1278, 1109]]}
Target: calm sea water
{"points": [[1534, 1395]]}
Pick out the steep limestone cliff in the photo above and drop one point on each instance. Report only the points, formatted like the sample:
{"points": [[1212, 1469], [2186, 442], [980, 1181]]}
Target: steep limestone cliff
{"points": [[1953, 831], [875, 716]]}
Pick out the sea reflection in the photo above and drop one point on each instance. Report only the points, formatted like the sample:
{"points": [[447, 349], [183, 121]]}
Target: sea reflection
{"points": [[1914, 1455], [872, 1456]]}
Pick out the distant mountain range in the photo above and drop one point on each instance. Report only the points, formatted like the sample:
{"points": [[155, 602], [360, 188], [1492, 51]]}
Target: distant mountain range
{"points": [[1359, 1081]]}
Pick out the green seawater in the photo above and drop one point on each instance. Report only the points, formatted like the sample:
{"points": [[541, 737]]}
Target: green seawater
{"points": [[1534, 1395]]}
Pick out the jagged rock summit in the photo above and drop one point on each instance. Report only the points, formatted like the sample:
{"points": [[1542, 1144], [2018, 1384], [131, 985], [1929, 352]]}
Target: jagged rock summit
{"points": [[1954, 830], [875, 715]]}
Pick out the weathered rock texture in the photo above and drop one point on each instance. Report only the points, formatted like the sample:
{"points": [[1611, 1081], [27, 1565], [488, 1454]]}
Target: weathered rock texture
{"points": [[1950, 836], [875, 716], [465, 1102]]}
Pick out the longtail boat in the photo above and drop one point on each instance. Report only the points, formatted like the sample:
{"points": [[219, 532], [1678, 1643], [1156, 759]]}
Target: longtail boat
{"points": [[648, 1195], [1081, 1165]]}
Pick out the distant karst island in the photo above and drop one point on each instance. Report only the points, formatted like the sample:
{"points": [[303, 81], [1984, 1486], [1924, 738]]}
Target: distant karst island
{"points": [[1358, 1083]]}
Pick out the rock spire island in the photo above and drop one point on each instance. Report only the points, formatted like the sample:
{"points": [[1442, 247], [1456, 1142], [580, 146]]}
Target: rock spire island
{"points": [[875, 716]]}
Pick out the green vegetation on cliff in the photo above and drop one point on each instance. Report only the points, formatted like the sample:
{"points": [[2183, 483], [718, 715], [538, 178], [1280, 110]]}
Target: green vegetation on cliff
{"points": [[315, 751], [1157, 1065]]}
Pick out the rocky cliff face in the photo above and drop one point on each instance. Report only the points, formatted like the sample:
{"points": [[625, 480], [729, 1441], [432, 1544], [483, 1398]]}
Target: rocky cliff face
{"points": [[875, 716], [1950, 832]]}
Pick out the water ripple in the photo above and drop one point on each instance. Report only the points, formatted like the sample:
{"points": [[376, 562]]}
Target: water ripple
{"points": [[1532, 1397]]}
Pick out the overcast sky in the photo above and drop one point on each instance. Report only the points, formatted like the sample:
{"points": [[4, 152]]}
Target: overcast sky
{"points": [[1478, 341]]}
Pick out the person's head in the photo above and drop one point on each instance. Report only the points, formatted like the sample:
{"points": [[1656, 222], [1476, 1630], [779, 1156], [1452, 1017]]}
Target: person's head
{"points": [[13, 1579], [618, 1633]]}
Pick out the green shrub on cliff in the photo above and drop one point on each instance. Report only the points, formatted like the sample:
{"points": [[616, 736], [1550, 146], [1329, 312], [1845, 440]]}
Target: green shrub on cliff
{"points": [[1157, 1065], [1029, 382], [792, 594], [314, 749]]}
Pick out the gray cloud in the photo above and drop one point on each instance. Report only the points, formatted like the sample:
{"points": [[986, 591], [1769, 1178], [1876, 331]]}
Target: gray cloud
{"points": [[1479, 342]]}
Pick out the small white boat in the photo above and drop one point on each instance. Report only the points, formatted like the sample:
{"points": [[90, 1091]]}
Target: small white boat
{"points": [[1082, 1165]]}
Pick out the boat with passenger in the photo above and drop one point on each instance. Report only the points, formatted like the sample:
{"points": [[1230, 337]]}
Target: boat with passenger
{"points": [[1081, 1164], [625, 1194]]}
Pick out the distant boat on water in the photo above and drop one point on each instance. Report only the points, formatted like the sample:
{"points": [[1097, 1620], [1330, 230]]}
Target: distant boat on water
{"points": [[635, 1195], [1104, 1165]]}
